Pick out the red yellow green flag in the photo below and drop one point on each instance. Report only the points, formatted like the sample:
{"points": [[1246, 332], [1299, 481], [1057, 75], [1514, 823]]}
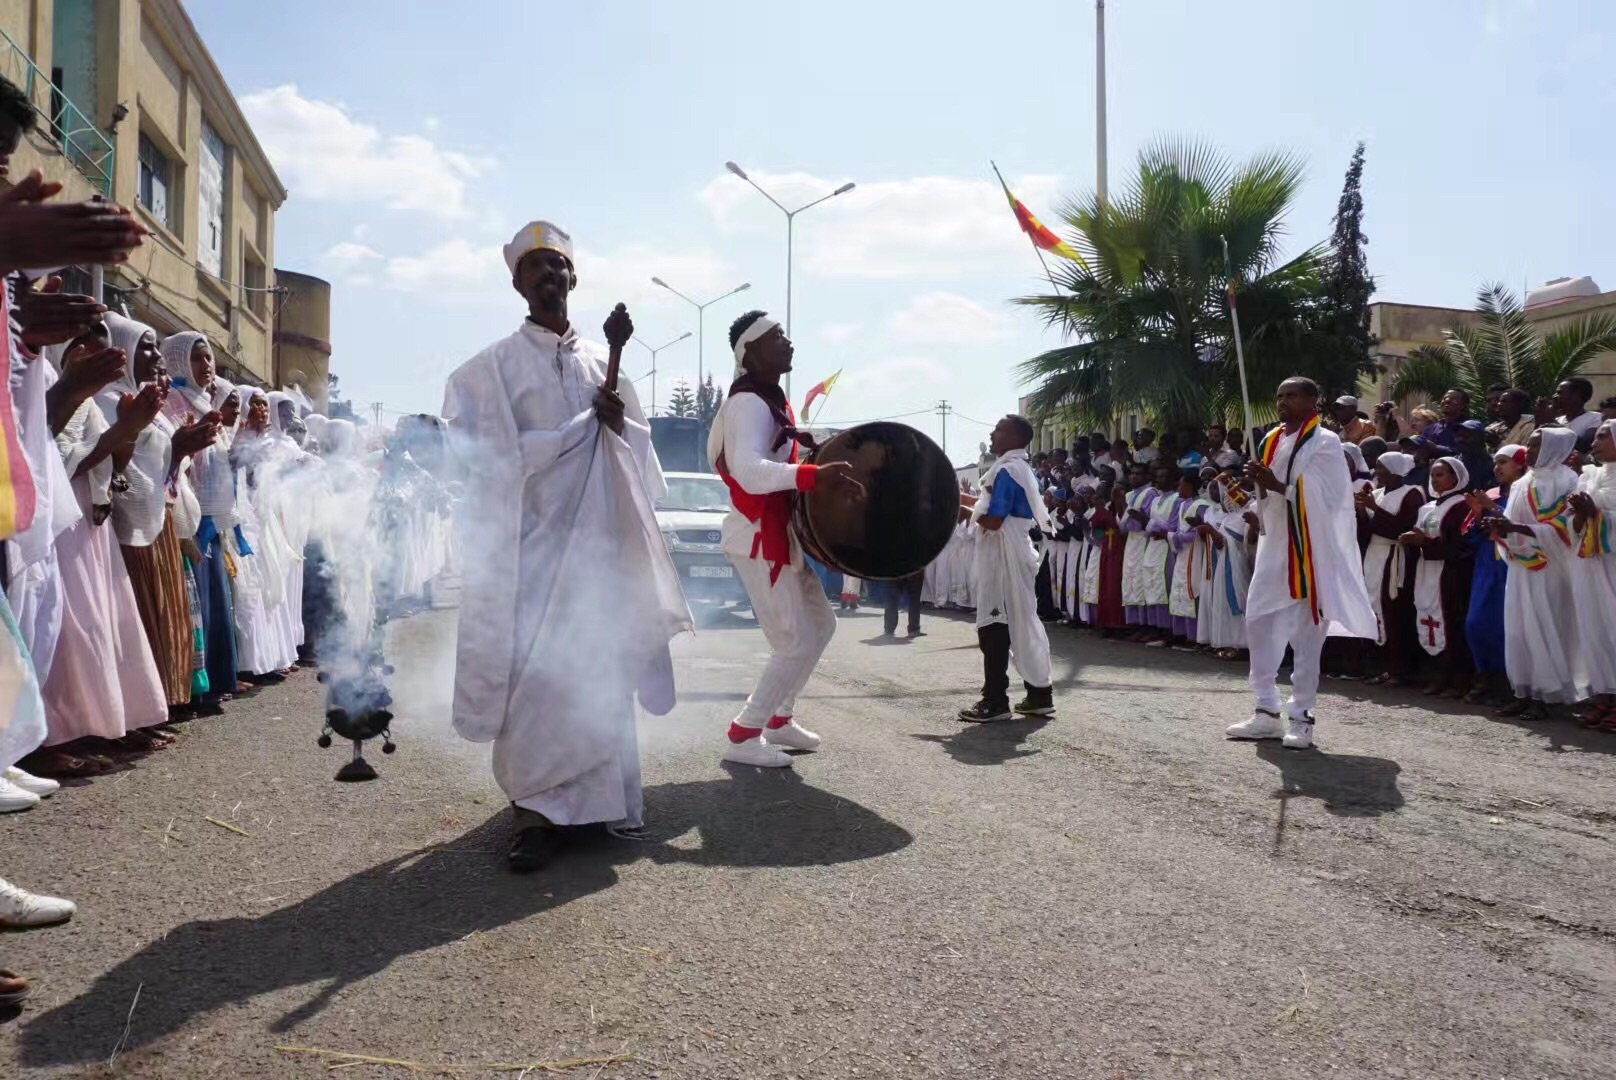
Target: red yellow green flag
{"points": [[819, 390], [1040, 233]]}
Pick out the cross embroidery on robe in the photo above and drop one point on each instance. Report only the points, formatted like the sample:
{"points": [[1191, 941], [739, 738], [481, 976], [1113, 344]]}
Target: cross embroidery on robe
{"points": [[1431, 623]]}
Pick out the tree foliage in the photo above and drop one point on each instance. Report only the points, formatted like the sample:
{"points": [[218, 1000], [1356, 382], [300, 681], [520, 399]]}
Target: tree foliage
{"points": [[708, 398], [683, 402], [1503, 347], [1146, 313]]}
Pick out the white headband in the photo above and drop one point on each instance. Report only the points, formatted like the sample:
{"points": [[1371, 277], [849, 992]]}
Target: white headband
{"points": [[762, 326]]}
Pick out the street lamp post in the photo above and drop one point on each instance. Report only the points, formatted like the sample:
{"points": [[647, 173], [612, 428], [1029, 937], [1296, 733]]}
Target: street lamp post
{"points": [[652, 372], [791, 218], [700, 311]]}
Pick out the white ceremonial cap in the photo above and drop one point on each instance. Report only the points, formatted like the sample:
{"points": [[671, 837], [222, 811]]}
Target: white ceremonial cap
{"points": [[534, 236]]}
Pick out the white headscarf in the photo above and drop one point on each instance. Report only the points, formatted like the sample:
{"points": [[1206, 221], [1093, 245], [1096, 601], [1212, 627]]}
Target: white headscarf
{"points": [[340, 440], [1599, 479], [185, 396], [1359, 466], [137, 513], [1549, 479], [1396, 462], [1459, 471]]}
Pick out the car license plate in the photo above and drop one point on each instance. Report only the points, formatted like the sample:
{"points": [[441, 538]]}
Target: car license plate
{"points": [[712, 571]]}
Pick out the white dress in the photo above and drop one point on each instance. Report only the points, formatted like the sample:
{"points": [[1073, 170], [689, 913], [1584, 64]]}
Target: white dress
{"points": [[1595, 579], [1542, 644]]}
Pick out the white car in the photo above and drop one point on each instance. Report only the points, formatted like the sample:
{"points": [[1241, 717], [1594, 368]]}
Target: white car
{"points": [[691, 517]]}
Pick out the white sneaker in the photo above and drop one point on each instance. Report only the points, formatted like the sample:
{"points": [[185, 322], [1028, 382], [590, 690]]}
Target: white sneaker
{"points": [[791, 736], [21, 908], [29, 782], [1300, 735], [1262, 725], [14, 798], [756, 752]]}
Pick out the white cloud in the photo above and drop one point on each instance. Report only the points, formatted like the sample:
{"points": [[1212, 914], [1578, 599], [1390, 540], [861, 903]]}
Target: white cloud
{"points": [[942, 318], [455, 269], [921, 227], [350, 253], [839, 332], [460, 271], [322, 152]]}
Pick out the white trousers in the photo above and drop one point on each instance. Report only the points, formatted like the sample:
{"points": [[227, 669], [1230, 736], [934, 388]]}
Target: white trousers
{"points": [[798, 623], [1267, 635]]}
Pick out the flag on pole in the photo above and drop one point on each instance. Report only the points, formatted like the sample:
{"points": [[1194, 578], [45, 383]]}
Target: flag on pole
{"points": [[819, 390], [1042, 237], [1040, 233]]}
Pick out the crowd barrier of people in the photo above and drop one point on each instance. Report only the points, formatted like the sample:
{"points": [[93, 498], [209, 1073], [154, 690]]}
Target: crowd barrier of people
{"points": [[171, 541], [1486, 546]]}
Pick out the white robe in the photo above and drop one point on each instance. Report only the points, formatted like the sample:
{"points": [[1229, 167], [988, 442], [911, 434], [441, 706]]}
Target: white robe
{"points": [[1595, 577], [1221, 613], [1542, 653], [1320, 475], [569, 594], [1004, 576]]}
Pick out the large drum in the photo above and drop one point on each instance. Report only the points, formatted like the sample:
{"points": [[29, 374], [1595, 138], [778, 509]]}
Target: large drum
{"points": [[911, 506]]}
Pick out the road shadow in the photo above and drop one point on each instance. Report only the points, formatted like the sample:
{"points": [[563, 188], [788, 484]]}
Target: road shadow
{"points": [[439, 894], [1348, 785], [989, 744], [884, 639]]}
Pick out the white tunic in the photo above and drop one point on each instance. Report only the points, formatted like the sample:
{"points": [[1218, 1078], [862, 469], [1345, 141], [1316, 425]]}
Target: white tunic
{"points": [[1003, 578], [1319, 475], [569, 594], [1543, 655], [1595, 576]]}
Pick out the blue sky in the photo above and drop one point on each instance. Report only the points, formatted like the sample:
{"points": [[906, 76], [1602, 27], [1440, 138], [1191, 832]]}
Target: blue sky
{"points": [[416, 138]]}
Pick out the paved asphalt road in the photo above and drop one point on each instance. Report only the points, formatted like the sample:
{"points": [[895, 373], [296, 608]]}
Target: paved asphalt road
{"points": [[1114, 893]]}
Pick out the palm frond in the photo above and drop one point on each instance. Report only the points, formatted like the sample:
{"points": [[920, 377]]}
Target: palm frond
{"points": [[1569, 349], [1428, 371]]}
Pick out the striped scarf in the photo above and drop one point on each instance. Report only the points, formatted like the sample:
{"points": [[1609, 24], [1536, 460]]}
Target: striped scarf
{"points": [[1554, 515], [1301, 570]]}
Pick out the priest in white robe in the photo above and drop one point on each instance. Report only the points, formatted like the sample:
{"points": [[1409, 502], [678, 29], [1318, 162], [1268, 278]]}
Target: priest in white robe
{"points": [[1307, 574], [569, 595]]}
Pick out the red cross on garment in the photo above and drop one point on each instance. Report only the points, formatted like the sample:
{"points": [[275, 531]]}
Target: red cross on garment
{"points": [[1431, 622]]}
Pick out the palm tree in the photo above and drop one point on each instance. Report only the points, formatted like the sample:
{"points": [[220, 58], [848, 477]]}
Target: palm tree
{"points": [[1503, 348], [1145, 310]]}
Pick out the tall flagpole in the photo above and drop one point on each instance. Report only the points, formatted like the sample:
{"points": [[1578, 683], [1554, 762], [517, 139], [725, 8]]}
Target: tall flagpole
{"points": [[1239, 352], [1099, 99]]}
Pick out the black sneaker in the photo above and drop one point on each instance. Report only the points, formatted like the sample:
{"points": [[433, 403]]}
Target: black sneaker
{"points": [[984, 711], [1038, 702]]}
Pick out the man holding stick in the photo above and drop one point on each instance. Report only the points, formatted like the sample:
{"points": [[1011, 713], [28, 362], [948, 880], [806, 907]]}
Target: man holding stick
{"points": [[1307, 573], [570, 596]]}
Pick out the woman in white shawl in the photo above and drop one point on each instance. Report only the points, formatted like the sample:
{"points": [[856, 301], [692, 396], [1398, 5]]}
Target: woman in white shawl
{"points": [[189, 360], [264, 628], [1593, 517], [1442, 579], [1542, 650], [104, 682], [1385, 514], [141, 514]]}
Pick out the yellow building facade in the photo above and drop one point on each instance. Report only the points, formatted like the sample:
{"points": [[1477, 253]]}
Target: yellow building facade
{"points": [[133, 107]]}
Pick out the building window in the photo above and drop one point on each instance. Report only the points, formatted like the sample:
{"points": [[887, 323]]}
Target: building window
{"points": [[211, 203], [252, 281], [156, 173]]}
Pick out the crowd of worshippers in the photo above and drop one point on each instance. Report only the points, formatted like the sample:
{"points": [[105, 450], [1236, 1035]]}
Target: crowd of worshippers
{"points": [[168, 541], [1486, 543]]}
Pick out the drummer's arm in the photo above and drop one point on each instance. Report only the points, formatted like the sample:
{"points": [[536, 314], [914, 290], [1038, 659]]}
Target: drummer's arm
{"points": [[748, 433]]}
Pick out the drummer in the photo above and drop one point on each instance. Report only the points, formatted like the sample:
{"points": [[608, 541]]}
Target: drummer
{"points": [[753, 446]]}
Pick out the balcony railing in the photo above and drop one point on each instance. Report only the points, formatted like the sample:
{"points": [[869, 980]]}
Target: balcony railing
{"points": [[81, 142]]}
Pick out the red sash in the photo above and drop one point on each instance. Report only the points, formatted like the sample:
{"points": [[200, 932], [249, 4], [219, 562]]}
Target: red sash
{"points": [[773, 541]]}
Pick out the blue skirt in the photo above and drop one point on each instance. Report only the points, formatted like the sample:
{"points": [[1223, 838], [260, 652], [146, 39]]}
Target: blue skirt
{"points": [[218, 616]]}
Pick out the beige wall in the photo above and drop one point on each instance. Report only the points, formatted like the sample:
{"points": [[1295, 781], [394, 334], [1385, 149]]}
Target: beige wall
{"points": [[303, 335], [150, 58]]}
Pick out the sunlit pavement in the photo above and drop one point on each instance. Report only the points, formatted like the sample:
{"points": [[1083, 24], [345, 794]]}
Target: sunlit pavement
{"points": [[1116, 892]]}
